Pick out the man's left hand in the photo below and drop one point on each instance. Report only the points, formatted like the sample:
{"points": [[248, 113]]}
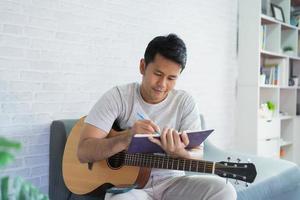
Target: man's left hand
{"points": [[173, 142]]}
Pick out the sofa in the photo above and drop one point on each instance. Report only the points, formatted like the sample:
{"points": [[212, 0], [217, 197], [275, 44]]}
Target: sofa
{"points": [[276, 179]]}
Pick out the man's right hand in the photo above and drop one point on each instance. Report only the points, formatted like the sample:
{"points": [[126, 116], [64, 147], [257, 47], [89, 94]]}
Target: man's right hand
{"points": [[144, 127]]}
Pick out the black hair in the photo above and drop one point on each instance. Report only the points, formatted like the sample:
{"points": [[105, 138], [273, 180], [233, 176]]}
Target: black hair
{"points": [[170, 47]]}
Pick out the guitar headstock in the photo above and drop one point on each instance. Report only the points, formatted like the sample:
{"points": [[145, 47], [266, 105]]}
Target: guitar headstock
{"points": [[235, 170]]}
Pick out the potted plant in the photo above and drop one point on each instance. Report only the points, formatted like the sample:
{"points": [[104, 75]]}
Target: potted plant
{"points": [[271, 106], [289, 50], [15, 188], [267, 110]]}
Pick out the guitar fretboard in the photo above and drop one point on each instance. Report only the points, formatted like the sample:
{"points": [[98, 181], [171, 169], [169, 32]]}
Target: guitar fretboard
{"points": [[167, 162]]}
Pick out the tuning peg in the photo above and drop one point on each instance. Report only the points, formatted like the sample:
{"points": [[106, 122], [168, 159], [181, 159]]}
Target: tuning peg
{"points": [[249, 160], [238, 160], [236, 182], [246, 184], [228, 158]]}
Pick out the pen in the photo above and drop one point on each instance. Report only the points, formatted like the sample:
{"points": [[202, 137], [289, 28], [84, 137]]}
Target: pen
{"points": [[143, 118]]}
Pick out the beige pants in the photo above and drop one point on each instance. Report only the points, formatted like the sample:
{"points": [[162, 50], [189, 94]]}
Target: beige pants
{"points": [[198, 187]]}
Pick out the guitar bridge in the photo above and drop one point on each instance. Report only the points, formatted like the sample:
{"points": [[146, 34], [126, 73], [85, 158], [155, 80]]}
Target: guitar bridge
{"points": [[90, 165]]}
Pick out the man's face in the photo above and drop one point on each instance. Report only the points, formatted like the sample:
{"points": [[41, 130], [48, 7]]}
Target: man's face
{"points": [[159, 78]]}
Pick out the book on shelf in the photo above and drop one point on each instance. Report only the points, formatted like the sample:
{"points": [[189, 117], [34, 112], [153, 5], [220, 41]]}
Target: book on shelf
{"points": [[263, 33], [271, 74], [276, 71]]}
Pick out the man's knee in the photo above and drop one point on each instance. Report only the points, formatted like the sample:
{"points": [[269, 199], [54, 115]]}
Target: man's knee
{"points": [[217, 188], [224, 190], [135, 194], [201, 187]]}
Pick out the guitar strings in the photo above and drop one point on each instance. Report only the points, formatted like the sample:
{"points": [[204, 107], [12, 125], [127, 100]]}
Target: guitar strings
{"points": [[154, 160], [159, 159], [151, 160], [237, 176], [222, 166], [166, 160]]}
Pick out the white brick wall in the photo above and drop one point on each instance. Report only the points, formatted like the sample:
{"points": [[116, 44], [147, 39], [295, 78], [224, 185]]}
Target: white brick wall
{"points": [[57, 57]]}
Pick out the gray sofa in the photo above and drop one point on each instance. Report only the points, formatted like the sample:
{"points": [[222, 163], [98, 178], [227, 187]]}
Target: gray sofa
{"points": [[276, 179], [59, 132]]}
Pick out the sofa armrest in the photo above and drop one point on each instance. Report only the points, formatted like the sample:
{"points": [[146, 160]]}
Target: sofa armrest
{"points": [[275, 177], [267, 167], [58, 135]]}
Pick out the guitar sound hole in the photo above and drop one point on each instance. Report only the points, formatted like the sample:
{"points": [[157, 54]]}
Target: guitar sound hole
{"points": [[116, 161]]}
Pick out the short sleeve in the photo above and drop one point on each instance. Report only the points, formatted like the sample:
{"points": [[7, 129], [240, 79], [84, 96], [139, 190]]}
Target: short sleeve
{"points": [[190, 115], [106, 110]]}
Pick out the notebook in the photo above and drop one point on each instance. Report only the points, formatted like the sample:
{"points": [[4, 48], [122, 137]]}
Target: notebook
{"points": [[141, 144]]}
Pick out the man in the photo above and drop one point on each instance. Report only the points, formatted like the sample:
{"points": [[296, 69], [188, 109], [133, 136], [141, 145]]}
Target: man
{"points": [[161, 107]]}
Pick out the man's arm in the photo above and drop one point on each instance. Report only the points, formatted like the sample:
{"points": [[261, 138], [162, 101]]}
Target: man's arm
{"points": [[95, 144], [196, 153], [191, 121]]}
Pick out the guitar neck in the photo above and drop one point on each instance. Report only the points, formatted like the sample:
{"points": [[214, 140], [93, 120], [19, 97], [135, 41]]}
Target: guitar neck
{"points": [[166, 162]]}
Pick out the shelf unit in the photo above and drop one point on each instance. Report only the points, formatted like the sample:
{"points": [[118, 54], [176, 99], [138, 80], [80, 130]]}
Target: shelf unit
{"points": [[264, 75]]}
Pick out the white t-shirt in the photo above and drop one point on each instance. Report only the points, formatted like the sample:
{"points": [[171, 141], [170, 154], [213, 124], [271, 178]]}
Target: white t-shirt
{"points": [[123, 103]]}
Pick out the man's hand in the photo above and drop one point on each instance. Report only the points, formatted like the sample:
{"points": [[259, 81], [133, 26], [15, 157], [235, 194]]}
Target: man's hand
{"points": [[139, 127], [173, 142], [144, 127]]}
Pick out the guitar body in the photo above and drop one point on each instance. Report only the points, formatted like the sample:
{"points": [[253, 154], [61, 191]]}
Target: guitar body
{"points": [[81, 180]]}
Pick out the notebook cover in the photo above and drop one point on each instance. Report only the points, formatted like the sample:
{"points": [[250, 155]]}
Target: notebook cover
{"points": [[144, 145]]}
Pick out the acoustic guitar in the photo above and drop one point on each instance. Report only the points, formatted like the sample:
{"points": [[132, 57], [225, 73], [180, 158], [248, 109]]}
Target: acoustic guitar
{"points": [[129, 169]]}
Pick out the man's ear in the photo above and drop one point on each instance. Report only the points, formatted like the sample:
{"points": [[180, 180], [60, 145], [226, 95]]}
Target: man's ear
{"points": [[142, 66]]}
